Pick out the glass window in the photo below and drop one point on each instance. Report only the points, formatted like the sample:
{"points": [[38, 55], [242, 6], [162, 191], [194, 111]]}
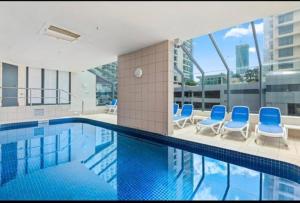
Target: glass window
{"points": [[294, 109], [64, 86], [35, 82], [285, 64], [50, 80], [285, 40], [284, 197], [212, 94], [285, 29], [198, 94], [209, 60], [188, 94], [104, 90], [286, 188], [285, 52], [285, 17], [238, 48], [177, 94]]}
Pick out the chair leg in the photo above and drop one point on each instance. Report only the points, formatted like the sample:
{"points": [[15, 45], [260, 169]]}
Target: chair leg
{"points": [[222, 132], [256, 134], [247, 131], [214, 130], [285, 142], [183, 124], [219, 128], [178, 125], [285, 136], [198, 128]]}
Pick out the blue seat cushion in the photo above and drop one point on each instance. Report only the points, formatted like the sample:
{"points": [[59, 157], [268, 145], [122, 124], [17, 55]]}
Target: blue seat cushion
{"points": [[176, 117], [209, 121], [270, 128], [235, 124]]}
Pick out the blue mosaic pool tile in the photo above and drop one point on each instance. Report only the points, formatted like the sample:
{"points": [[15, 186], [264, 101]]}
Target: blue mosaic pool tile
{"points": [[265, 165]]}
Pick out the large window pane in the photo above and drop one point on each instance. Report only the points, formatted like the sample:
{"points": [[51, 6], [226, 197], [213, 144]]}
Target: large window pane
{"points": [[207, 57], [285, 29], [106, 78], [63, 85], [285, 52], [50, 86], [285, 17], [238, 47], [34, 84], [285, 40]]}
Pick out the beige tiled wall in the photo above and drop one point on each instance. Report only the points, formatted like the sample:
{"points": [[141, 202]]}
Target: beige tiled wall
{"points": [[145, 103]]}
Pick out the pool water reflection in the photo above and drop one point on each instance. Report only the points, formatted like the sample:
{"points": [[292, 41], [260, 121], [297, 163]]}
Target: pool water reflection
{"points": [[81, 161]]}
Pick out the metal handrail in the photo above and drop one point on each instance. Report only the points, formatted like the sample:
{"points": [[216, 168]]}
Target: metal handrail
{"points": [[36, 88], [30, 97]]}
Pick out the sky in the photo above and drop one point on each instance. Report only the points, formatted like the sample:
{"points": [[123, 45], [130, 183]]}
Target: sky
{"points": [[227, 39]]}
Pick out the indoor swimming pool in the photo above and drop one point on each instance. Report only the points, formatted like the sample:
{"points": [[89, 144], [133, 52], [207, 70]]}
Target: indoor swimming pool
{"points": [[82, 161]]}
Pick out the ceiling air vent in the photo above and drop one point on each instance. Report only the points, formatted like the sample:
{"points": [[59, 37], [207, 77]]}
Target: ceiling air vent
{"points": [[61, 33]]}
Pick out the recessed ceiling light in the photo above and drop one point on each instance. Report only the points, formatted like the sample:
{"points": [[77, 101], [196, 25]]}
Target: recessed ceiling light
{"points": [[60, 33]]}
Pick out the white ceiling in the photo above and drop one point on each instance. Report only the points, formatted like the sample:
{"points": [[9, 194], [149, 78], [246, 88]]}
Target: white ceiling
{"points": [[124, 27]]}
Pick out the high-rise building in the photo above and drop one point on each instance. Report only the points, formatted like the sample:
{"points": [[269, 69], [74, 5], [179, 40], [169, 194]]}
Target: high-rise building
{"points": [[282, 41], [276, 188], [281, 61], [242, 58], [183, 62]]}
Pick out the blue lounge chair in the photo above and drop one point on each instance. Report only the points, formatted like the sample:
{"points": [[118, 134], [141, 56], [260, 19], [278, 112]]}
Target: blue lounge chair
{"points": [[185, 115], [112, 107], [175, 109], [239, 121], [270, 124], [217, 118]]}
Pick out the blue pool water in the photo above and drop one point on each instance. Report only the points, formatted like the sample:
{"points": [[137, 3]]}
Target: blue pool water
{"points": [[75, 161]]}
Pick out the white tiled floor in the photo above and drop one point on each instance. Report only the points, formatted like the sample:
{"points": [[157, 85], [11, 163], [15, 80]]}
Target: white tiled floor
{"points": [[267, 147]]}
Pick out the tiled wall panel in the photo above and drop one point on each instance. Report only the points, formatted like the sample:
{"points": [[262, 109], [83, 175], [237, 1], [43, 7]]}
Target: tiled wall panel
{"points": [[145, 103]]}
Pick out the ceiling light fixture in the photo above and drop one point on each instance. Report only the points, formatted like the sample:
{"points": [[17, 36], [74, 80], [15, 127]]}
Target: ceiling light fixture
{"points": [[60, 33]]}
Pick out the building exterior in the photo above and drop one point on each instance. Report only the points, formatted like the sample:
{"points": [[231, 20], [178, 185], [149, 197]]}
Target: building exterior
{"points": [[282, 41], [215, 79], [276, 188], [282, 61], [183, 62], [283, 91], [242, 58], [240, 94]]}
